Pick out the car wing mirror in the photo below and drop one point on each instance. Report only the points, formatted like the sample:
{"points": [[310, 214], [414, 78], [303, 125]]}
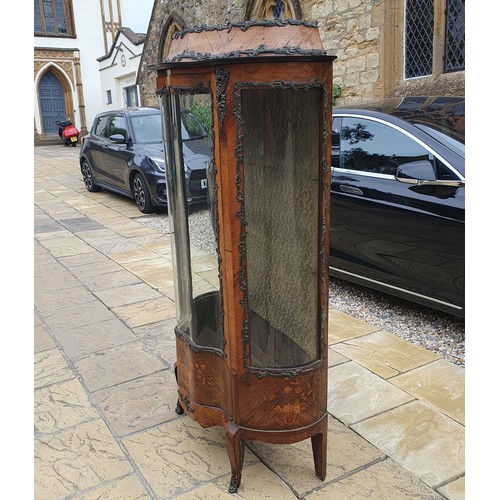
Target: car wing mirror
{"points": [[420, 170], [421, 173], [117, 138]]}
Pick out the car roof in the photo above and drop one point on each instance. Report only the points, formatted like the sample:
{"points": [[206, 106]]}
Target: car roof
{"points": [[138, 110], [442, 113]]}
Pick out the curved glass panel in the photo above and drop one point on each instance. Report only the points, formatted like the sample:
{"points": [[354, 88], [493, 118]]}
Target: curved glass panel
{"points": [[281, 159], [192, 217]]}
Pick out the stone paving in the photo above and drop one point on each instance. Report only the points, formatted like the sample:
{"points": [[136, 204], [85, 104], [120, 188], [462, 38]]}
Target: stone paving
{"points": [[105, 392]]}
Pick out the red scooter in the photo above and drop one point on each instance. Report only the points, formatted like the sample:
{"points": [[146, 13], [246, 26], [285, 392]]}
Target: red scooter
{"points": [[68, 133]]}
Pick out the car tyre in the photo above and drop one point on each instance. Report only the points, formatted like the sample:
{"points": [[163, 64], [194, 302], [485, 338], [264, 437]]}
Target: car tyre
{"points": [[141, 194], [88, 178]]}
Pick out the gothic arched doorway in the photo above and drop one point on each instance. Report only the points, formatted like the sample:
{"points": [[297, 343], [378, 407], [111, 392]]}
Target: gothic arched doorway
{"points": [[52, 102]]}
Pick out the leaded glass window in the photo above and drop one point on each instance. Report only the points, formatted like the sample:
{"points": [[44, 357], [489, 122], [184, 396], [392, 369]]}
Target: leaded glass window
{"points": [[53, 17], [419, 36], [455, 36]]}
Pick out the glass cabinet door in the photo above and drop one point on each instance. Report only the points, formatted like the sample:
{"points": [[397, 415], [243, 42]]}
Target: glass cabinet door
{"points": [[192, 217], [281, 140]]}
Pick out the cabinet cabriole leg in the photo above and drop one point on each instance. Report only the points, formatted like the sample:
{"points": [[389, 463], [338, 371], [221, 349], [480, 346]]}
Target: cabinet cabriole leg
{"points": [[235, 447], [319, 446]]}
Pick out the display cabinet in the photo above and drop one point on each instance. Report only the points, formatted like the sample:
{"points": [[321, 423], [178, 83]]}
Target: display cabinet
{"points": [[251, 270]]}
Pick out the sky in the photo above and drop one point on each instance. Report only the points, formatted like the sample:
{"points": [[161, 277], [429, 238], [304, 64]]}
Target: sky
{"points": [[136, 14]]}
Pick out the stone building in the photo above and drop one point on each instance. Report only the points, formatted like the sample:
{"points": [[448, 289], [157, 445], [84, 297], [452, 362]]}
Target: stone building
{"points": [[69, 37], [383, 47]]}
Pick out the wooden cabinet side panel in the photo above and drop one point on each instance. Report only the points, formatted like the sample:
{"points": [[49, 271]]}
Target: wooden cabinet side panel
{"points": [[203, 376]]}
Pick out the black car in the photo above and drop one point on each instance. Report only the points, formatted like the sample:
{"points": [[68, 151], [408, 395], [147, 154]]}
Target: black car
{"points": [[124, 153], [398, 199]]}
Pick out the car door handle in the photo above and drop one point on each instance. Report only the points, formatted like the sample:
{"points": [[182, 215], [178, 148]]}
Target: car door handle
{"points": [[351, 190]]}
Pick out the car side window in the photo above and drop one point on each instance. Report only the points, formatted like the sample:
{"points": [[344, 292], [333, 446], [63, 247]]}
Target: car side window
{"points": [[100, 126], [117, 125], [373, 147]]}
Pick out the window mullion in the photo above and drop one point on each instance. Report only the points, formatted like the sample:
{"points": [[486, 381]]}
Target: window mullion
{"points": [[42, 16], [54, 16]]}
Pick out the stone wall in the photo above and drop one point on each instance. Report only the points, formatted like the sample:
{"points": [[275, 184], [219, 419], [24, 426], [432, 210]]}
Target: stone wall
{"points": [[347, 31], [365, 35], [185, 13]]}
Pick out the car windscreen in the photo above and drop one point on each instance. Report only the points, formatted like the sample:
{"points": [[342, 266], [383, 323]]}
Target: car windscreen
{"points": [[146, 128], [450, 142]]}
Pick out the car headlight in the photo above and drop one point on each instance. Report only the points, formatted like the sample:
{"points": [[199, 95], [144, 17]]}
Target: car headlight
{"points": [[158, 163]]}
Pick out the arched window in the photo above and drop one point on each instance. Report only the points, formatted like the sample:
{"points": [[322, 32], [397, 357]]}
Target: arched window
{"points": [[274, 9], [173, 24]]}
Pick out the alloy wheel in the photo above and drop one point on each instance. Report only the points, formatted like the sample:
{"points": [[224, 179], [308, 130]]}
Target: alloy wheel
{"points": [[139, 193], [87, 177]]}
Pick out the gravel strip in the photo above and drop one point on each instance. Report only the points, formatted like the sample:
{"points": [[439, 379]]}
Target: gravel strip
{"points": [[438, 332]]}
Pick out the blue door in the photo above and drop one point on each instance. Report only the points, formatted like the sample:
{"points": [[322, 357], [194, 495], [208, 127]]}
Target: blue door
{"points": [[51, 102]]}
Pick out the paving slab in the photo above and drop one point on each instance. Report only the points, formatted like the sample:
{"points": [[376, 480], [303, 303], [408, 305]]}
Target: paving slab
{"points": [[60, 406], [67, 247], [134, 255], [160, 246], [423, 440], [42, 340], [49, 302], [47, 226], [148, 266], [385, 354], [81, 341], [346, 453], [441, 384], [110, 280], [146, 312], [159, 280], [160, 338], [79, 224], [77, 459], [140, 403], [335, 358], [128, 294], [179, 456], [342, 327], [260, 484], [50, 368], [116, 246], [95, 269], [86, 259], [117, 365], [381, 481], [355, 393], [52, 277], [454, 490], [77, 315], [127, 488]]}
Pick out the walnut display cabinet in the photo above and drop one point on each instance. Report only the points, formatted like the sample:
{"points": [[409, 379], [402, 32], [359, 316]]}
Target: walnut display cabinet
{"points": [[251, 270]]}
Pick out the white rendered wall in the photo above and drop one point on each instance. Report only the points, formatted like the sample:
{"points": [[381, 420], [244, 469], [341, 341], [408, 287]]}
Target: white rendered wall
{"points": [[119, 71]]}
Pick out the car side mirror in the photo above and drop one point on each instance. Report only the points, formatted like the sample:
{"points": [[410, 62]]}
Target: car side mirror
{"points": [[421, 173], [420, 170], [117, 138]]}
